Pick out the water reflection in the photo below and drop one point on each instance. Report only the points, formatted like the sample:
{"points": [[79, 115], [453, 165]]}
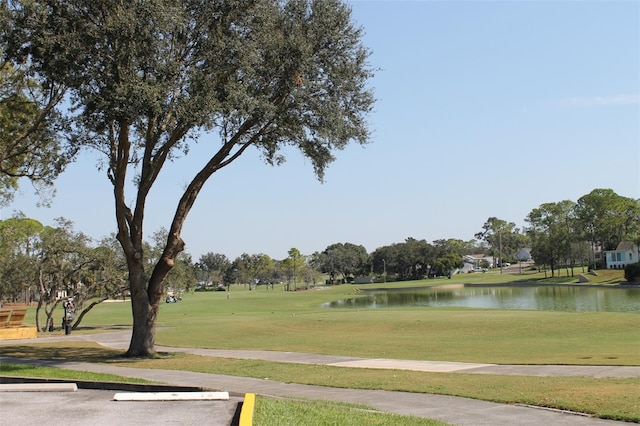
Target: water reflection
{"points": [[548, 298]]}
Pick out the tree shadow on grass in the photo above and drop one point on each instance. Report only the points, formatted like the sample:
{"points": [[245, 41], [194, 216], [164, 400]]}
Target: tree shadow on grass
{"points": [[73, 352], [67, 351]]}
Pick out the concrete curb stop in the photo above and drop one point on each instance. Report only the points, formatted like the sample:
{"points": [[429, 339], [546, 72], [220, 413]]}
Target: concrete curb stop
{"points": [[171, 396], [38, 387]]}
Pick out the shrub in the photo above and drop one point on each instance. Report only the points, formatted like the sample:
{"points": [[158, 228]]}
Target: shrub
{"points": [[632, 272]]}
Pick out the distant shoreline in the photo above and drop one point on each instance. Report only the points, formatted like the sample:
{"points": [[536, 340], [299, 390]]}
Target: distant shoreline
{"points": [[621, 286]]}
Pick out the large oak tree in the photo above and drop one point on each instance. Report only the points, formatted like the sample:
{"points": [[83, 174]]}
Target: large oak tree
{"points": [[147, 77], [606, 218], [347, 259], [32, 145], [502, 237]]}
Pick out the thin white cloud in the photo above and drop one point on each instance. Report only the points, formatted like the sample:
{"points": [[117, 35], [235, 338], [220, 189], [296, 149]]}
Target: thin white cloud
{"points": [[614, 100]]}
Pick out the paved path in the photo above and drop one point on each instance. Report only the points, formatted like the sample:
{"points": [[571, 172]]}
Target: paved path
{"points": [[454, 410], [120, 340]]}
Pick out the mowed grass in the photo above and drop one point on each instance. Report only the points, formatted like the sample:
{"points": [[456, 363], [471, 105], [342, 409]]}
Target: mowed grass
{"points": [[278, 412], [515, 274], [503, 337], [296, 321]]}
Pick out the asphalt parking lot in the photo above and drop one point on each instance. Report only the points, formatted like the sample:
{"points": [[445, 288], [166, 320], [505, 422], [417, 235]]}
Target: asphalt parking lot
{"points": [[60, 402], [97, 408]]}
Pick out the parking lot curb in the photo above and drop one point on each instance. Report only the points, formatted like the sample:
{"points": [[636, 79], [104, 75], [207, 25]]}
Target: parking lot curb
{"points": [[248, 407], [115, 386]]}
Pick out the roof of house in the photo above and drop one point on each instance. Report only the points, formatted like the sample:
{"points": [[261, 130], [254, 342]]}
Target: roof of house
{"points": [[625, 245], [477, 256]]}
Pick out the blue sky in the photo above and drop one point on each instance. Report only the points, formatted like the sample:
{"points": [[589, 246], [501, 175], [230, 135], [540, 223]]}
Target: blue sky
{"points": [[484, 109]]}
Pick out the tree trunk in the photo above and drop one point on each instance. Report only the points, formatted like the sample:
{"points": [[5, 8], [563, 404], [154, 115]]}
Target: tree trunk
{"points": [[144, 315], [49, 326], [85, 311], [145, 304], [38, 308], [144, 328]]}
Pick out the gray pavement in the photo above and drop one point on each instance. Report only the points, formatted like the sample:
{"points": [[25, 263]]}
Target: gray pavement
{"points": [[453, 410], [96, 407]]}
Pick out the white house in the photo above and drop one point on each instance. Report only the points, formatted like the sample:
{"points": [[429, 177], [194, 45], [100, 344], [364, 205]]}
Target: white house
{"points": [[626, 253], [476, 259], [524, 254]]}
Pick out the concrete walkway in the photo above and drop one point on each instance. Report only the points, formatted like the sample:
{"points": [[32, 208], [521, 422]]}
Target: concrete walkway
{"points": [[120, 340], [453, 410]]}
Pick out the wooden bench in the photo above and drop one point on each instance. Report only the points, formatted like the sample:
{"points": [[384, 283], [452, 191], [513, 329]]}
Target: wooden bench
{"points": [[11, 326], [17, 317], [4, 317]]}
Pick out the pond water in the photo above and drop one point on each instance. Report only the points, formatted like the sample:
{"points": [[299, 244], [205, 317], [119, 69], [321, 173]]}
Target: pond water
{"points": [[547, 298]]}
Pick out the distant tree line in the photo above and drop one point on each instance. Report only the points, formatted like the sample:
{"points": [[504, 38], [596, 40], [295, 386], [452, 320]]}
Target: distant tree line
{"points": [[567, 233], [42, 263]]}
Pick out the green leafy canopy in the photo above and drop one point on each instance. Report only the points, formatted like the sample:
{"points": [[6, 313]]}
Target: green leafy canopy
{"points": [[146, 77]]}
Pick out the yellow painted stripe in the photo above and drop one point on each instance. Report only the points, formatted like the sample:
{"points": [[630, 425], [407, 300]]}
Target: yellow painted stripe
{"points": [[246, 414]]}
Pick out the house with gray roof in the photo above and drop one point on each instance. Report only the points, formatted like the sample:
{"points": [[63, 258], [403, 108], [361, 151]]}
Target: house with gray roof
{"points": [[627, 252]]}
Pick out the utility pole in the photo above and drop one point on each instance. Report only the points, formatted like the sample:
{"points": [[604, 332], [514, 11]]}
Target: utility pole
{"points": [[384, 268]]}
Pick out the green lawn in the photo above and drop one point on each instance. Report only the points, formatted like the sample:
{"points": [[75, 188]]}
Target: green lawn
{"points": [[277, 412], [295, 321]]}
